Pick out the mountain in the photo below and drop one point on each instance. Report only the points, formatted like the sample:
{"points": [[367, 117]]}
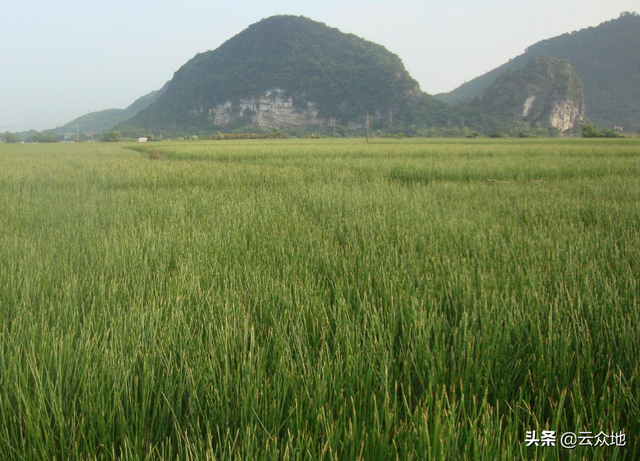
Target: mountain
{"points": [[606, 59], [106, 120], [293, 73], [546, 93]]}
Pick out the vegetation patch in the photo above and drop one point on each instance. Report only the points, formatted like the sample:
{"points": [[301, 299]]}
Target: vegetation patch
{"points": [[318, 299]]}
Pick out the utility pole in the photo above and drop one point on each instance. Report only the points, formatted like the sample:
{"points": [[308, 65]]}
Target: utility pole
{"points": [[77, 134], [367, 127], [334, 127], [91, 131]]}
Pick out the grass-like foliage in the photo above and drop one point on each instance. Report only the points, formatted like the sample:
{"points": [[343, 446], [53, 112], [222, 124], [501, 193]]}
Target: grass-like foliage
{"points": [[318, 299]]}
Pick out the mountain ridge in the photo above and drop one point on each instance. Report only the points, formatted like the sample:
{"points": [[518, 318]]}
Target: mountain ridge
{"points": [[107, 119], [292, 70], [605, 57], [545, 94], [303, 76]]}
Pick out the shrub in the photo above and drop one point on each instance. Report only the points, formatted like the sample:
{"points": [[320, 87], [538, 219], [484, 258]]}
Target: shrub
{"points": [[154, 154], [112, 136]]}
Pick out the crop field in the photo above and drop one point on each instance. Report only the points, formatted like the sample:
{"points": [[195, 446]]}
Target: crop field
{"points": [[319, 299]]}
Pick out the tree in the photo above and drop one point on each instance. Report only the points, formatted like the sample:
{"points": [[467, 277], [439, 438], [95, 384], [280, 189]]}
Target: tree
{"points": [[609, 133], [112, 136], [590, 131], [553, 132], [10, 138], [45, 137]]}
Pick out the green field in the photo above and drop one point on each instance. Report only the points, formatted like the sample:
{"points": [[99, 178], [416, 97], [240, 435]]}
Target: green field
{"points": [[319, 299]]}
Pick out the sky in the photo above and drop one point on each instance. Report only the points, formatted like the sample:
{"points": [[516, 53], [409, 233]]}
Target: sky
{"points": [[63, 59]]}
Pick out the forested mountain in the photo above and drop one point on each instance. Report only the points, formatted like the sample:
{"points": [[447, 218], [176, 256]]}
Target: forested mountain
{"points": [[105, 120], [291, 72], [545, 94], [302, 76], [607, 60]]}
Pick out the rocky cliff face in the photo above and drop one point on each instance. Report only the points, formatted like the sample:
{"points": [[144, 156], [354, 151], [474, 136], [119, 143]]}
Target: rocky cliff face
{"points": [[563, 115], [545, 93], [272, 109]]}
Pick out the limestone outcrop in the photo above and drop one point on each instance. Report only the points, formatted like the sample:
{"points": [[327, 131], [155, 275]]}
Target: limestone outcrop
{"points": [[545, 93]]}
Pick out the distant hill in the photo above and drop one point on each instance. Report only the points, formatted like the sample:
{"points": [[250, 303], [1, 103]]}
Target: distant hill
{"points": [[290, 72], [607, 60], [546, 93], [105, 120]]}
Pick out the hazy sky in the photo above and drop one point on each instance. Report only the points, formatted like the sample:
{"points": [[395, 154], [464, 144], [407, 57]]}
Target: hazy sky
{"points": [[60, 60]]}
